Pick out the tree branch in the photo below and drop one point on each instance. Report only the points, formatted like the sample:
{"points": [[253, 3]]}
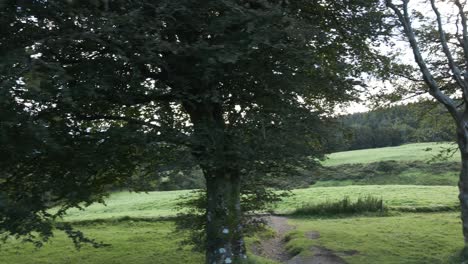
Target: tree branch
{"points": [[410, 78], [115, 118], [464, 29], [434, 88], [452, 64], [457, 32], [129, 99]]}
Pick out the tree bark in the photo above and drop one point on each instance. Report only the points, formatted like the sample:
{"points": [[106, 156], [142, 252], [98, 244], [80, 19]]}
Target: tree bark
{"points": [[224, 238], [462, 136], [225, 243]]}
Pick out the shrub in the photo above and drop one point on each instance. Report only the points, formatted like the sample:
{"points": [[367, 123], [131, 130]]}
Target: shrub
{"points": [[345, 206]]}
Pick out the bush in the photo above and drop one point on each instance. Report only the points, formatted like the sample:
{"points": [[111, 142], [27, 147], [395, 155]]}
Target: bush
{"points": [[345, 206]]}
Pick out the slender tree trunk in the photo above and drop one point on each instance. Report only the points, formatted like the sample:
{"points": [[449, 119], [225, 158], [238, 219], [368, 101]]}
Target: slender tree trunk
{"points": [[463, 195], [225, 243], [463, 180]]}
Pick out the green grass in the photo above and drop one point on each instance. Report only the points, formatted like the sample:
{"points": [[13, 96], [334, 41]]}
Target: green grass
{"points": [[408, 152], [409, 238], [149, 241], [409, 177], [161, 204], [254, 241], [131, 242], [136, 205], [398, 238], [137, 242], [394, 196]]}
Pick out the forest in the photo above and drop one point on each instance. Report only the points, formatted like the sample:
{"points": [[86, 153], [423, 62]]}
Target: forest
{"points": [[392, 126]]}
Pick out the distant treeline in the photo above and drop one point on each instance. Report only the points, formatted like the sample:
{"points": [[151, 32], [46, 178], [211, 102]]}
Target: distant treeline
{"points": [[393, 126]]}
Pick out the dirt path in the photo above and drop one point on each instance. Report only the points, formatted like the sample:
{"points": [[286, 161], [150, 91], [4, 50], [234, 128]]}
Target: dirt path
{"points": [[320, 256], [274, 248]]}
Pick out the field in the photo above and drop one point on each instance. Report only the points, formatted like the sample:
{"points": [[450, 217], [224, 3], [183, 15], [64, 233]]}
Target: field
{"points": [[162, 204], [407, 152], [407, 238], [403, 197], [136, 205], [131, 242], [411, 164], [422, 225]]}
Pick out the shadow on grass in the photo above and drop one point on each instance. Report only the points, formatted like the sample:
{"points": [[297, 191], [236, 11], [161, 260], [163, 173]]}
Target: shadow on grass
{"points": [[460, 256], [120, 220]]}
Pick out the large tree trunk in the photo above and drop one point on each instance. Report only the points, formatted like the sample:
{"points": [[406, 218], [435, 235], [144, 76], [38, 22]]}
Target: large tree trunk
{"points": [[225, 242], [212, 147]]}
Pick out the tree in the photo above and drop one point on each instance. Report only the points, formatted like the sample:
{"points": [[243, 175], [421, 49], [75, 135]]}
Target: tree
{"points": [[441, 54], [96, 90], [422, 121]]}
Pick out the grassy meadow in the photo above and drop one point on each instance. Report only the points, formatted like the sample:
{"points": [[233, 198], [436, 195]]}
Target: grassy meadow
{"points": [[131, 242], [407, 152], [398, 197], [135, 205], [422, 225], [411, 164], [162, 204], [406, 238]]}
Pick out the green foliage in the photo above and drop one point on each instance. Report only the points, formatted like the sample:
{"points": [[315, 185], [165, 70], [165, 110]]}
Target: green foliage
{"points": [[96, 95], [180, 181], [418, 164], [255, 200], [367, 204], [424, 121]]}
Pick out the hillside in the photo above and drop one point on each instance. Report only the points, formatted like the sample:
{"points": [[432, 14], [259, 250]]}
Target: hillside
{"points": [[419, 217], [407, 152], [411, 164]]}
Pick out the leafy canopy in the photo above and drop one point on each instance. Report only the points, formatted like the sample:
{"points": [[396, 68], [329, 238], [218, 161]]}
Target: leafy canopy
{"points": [[96, 92]]}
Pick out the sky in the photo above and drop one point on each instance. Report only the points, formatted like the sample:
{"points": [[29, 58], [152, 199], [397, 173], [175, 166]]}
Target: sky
{"points": [[401, 45]]}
